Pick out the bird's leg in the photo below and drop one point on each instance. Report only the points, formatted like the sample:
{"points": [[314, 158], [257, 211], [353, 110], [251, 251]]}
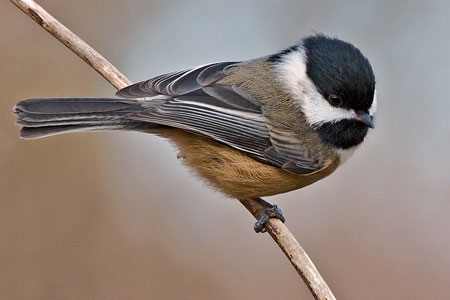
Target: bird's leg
{"points": [[265, 212], [269, 211]]}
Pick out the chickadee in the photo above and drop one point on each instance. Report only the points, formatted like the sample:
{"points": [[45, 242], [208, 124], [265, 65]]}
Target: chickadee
{"points": [[250, 128]]}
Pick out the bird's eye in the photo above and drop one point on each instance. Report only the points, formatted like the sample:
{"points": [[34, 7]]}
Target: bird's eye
{"points": [[334, 100]]}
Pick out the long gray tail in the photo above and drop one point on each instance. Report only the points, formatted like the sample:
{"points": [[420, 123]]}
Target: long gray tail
{"points": [[50, 116]]}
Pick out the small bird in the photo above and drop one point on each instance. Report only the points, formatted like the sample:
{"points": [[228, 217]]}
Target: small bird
{"points": [[250, 128]]}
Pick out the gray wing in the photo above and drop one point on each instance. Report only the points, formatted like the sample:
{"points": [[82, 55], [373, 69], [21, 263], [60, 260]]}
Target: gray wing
{"points": [[178, 83], [226, 117], [288, 152], [223, 113]]}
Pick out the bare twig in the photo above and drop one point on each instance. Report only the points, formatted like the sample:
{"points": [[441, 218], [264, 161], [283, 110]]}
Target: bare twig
{"points": [[279, 232]]}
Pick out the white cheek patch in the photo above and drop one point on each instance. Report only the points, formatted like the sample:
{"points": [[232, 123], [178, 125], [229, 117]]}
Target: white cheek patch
{"points": [[373, 107], [292, 72], [317, 110]]}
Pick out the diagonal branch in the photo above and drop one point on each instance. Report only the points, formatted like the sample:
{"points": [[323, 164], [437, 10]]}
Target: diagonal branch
{"points": [[279, 232], [294, 252]]}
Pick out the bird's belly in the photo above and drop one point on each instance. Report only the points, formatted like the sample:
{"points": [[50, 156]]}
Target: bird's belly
{"points": [[233, 172]]}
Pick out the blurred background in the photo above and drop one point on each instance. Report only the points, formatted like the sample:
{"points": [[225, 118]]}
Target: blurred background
{"points": [[114, 215]]}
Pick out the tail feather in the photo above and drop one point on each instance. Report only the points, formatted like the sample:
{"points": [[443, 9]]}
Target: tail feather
{"points": [[30, 133], [50, 116]]}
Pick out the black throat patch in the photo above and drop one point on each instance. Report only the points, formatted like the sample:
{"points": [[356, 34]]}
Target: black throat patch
{"points": [[343, 134]]}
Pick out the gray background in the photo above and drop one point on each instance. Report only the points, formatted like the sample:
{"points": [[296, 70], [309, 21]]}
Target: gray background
{"points": [[115, 215]]}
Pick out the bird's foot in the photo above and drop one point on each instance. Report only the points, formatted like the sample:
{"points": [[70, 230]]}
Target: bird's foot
{"points": [[269, 211]]}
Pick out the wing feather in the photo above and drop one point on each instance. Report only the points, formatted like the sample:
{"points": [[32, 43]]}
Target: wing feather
{"points": [[244, 131], [287, 150], [177, 83]]}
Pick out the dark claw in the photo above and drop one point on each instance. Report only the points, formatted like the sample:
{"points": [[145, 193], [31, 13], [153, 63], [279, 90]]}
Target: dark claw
{"points": [[271, 211]]}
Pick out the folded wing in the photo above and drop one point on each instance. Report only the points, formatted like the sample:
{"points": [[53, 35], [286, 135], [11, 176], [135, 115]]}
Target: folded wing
{"points": [[195, 101]]}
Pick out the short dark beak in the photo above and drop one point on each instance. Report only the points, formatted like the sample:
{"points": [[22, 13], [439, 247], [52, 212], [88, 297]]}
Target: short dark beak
{"points": [[364, 117]]}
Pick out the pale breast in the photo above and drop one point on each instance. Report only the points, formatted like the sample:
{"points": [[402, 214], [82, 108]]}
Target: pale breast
{"points": [[234, 173]]}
